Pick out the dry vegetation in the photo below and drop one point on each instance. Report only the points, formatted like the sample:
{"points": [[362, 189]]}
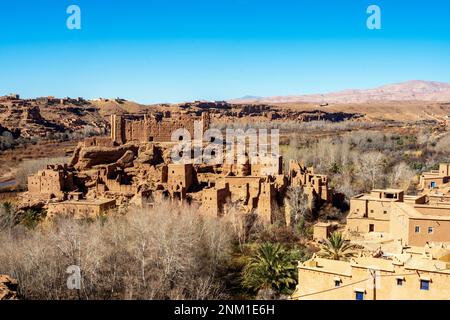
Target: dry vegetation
{"points": [[167, 253], [175, 252], [361, 160], [12, 159]]}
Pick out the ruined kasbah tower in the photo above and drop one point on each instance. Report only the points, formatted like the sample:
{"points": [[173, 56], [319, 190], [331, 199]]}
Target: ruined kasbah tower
{"points": [[154, 128]]}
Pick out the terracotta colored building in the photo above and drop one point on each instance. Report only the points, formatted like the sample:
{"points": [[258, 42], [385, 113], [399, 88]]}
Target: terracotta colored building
{"points": [[436, 178], [154, 128], [403, 277], [395, 216], [81, 208]]}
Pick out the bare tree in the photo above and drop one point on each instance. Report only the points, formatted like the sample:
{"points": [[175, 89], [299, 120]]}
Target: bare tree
{"points": [[237, 219], [443, 145], [370, 167], [169, 252], [8, 217], [401, 176], [300, 205]]}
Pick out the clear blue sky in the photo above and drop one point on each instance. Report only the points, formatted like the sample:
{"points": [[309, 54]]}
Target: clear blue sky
{"points": [[181, 50]]}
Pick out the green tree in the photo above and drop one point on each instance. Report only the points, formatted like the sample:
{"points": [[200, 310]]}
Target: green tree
{"points": [[8, 216], [336, 247], [271, 267], [32, 217]]}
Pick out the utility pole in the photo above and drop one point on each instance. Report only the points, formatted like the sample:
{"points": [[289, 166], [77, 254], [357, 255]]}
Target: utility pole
{"points": [[374, 276]]}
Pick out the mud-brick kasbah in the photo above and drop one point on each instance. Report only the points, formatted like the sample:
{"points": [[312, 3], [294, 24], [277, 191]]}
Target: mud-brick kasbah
{"points": [[402, 240]]}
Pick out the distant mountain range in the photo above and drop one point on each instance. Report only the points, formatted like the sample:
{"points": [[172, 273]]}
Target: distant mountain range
{"points": [[416, 90]]}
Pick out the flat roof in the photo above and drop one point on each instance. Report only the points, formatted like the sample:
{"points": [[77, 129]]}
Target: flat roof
{"points": [[423, 264], [411, 212], [370, 197], [388, 190], [409, 196], [329, 266], [373, 263], [344, 268], [322, 224]]}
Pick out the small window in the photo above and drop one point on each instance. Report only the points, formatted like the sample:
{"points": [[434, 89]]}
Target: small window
{"points": [[337, 283], [359, 295], [417, 229], [424, 285], [400, 282], [430, 230], [371, 211], [385, 212]]}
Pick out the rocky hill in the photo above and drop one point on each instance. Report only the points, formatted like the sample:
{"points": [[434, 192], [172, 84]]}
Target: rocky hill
{"points": [[50, 118], [416, 90], [44, 117]]}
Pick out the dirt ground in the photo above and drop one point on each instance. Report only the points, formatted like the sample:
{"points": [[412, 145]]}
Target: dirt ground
{"points": [[10, 159]]}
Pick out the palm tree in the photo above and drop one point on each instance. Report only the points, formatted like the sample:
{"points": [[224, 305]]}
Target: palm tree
{"points": [[8, 216], [336, 247], [271, 267]]}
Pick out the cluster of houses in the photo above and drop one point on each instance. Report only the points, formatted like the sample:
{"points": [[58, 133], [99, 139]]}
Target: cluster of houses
{"points": [[407, 247]]}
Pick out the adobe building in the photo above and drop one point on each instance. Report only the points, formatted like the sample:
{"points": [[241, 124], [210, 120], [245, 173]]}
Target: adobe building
{"points": [[314, 185], [392, 215], [322, 231], [179, 179], [435, 178], [401, 277], [51, 182], [81, 209], [436, 184], [371, 212], [419, 224], [154, 128], [134, 166], [214, 200]]}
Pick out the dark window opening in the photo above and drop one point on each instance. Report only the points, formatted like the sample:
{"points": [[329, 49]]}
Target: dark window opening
{"points": [[424, 285], [359, 295]]}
